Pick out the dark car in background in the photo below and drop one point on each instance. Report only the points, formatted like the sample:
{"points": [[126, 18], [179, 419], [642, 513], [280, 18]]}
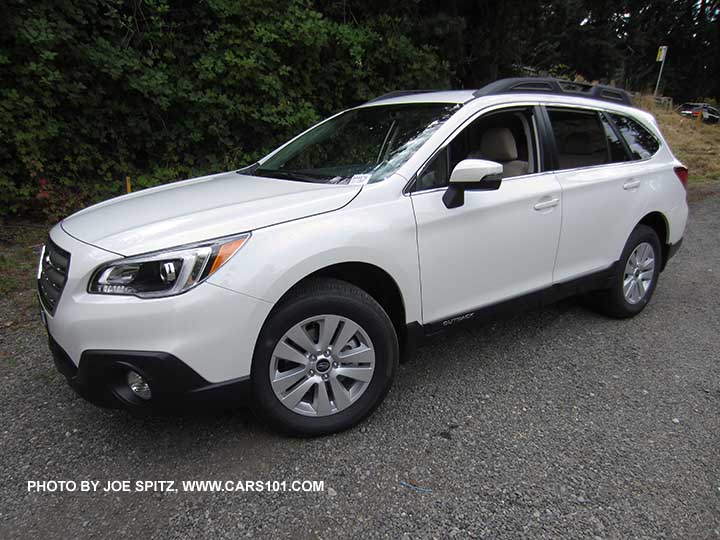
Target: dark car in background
{"points": [[710, 115]]}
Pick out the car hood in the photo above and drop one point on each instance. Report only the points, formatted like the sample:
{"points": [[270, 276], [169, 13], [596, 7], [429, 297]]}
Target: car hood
{"points": [[200, 209]]}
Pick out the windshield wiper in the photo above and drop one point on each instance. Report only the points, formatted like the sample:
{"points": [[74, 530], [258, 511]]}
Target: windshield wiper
{"points": [[250, 169], [291, 175]]}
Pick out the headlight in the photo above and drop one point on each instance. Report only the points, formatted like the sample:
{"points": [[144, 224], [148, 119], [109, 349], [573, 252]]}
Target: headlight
{"points": [[165, 273]]}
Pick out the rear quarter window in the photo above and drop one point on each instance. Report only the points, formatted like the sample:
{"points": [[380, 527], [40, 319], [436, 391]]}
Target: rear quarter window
{"points": [[640, 141]]}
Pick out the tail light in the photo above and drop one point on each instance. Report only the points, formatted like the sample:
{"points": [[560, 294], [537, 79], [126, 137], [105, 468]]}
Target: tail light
{"points": [[682, 174]]}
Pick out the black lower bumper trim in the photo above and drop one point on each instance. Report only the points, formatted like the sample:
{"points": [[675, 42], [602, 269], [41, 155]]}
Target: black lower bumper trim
{"points": [[101, 379]]}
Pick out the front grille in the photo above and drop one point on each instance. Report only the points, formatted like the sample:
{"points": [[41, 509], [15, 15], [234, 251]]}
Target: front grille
{"points": [[53, 275]]}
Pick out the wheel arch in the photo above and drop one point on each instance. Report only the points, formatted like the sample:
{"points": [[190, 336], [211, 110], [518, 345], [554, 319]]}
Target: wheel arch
{"points": [[375, 281], [659, 223]]}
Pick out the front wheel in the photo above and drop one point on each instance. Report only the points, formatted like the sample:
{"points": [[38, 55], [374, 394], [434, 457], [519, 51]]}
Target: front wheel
{"points": [[324, 360], [635, 278]]}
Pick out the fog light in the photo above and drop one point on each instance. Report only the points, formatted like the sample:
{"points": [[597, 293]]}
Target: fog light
{"points": [[138, 385]]}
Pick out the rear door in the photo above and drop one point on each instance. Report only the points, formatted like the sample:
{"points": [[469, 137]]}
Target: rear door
{"points": [[603, 183]]}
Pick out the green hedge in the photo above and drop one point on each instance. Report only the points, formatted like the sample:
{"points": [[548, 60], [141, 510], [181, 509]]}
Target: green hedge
{"points": [[93, 91]]}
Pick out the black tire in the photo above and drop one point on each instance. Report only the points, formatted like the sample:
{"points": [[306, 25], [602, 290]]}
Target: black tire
{"points": [[612, 301], [313, 298]]}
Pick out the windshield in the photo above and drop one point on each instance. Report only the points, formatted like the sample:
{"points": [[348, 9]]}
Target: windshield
{"points": [[360, 145]]}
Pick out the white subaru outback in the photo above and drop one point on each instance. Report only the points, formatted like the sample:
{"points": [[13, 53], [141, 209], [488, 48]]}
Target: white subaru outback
{"points": [[294, 284]]}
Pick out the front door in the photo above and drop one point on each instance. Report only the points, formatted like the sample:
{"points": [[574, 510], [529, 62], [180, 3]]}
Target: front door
{"points": [[499, 244]]}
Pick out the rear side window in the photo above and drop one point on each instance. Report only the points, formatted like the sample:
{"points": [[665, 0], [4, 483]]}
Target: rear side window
{"points": [[641, 142], [580, 138]]}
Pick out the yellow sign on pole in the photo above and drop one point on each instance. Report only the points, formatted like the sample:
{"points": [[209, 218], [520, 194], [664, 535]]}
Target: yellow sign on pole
{"points": [[662, 51]]}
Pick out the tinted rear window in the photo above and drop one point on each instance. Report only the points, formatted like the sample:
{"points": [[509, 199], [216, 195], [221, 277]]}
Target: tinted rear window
{"points": [[641, 142], [580, 138]]}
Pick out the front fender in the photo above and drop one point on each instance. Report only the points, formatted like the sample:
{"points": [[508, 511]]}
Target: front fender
{"points": [[278, 257]]}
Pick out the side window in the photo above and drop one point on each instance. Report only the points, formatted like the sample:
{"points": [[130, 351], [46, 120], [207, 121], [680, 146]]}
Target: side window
{"points": [[507, 137], [618, 154], [580, 138], [642, 143], [435, 174]]}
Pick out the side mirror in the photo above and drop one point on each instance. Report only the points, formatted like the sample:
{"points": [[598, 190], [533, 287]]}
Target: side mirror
{"points": [[472, 174]]}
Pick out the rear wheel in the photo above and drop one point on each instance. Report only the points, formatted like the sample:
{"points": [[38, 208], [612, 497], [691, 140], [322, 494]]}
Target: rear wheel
{"points": [[324, 360], [635, 278]]}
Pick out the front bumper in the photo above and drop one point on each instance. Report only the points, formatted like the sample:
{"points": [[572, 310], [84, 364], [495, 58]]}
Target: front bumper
{"points": [[100, 378], [210, 329]]}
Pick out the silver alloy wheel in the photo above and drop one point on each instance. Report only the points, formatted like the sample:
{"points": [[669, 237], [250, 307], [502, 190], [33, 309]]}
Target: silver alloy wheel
{"points": [[322, 365], [639, 273]]}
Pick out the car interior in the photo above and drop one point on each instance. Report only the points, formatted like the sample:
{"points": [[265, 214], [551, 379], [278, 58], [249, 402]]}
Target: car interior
{"points": [[501, 137], [505, 137], [580, 138]]}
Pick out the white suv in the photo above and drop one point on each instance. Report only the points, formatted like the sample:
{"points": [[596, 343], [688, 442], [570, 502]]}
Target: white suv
{"points": [[294, 284]]}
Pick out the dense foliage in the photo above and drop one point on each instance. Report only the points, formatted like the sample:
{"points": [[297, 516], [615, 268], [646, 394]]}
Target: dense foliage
{"points": [[93, 91]]}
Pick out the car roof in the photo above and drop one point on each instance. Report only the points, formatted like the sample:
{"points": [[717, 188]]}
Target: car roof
{"points": [[470, 99], [470, 96], [536, 86], [424, 96]]}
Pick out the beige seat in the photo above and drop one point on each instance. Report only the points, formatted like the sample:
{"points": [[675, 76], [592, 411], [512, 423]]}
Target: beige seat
{"points": [[498, 144], [578, 150]]}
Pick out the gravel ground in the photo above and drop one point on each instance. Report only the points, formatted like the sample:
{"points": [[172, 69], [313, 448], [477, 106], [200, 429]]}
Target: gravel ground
{"points": [[558, 423]]}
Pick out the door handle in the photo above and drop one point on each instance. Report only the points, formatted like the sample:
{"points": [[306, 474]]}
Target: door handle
{"points": [[542, 205], [631, 184]]}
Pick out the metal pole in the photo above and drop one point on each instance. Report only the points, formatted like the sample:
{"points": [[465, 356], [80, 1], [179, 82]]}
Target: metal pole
{"points": [[662, 65]]}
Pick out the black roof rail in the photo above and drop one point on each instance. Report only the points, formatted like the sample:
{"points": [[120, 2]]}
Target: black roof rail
{"points": [[557, 87], [399, 93]]}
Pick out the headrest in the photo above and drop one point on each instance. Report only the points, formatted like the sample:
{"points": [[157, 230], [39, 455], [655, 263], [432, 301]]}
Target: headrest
{"points": [[498, 144]]}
